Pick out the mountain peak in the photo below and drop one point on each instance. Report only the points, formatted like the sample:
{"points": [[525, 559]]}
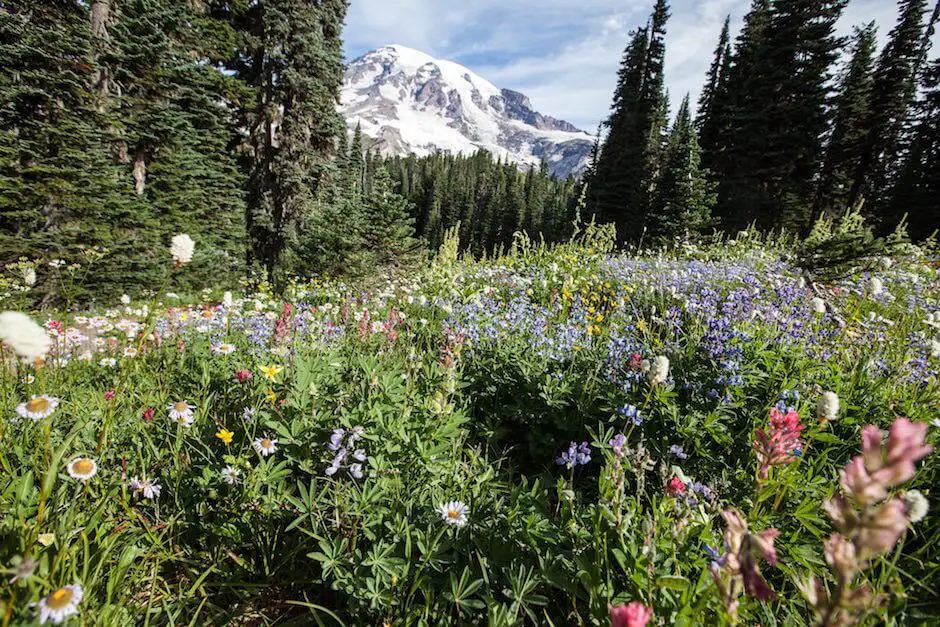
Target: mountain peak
{"points": [[410, 102]]}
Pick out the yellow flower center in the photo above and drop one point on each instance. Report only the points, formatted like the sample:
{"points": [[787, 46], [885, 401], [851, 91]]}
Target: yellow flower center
{"points": [[181, 407], [453, 514], [83, 466], [38, 405], [265, 443], [60, 598]]}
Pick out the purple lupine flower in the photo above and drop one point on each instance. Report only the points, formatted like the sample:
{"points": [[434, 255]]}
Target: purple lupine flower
{"points": [[676, 450], [575, 455], [336, 439], [356, 471], [584, 454], [619, 441], [569, 458], [632, 413]]}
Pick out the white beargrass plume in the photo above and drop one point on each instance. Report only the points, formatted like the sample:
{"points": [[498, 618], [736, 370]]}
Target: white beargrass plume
{"points": [[29, 277], [916, 504], [827, 408], [181, 247], [659, 369], [818, 305], [27, 339], [227, 299], [935, 349], [875, 286]]}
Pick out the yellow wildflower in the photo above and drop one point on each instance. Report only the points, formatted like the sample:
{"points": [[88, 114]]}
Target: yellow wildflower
{"points": [[270, 372], [271, 396], [225, 435]]}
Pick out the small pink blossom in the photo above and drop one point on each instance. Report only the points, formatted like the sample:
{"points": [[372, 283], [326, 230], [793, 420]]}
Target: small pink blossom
{"points": [[243, 376], [147, 414], [109, 395], [633, 614], [675, 487], [777, 445]]}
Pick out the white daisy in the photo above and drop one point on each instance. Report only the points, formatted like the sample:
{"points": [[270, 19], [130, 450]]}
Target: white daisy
{"points": [[230, 475], [57, 606], [38, 407], [181, 412], [454, 513], [223, 349], [130, 351], [82, 468], [265, 446], [149, 488]]}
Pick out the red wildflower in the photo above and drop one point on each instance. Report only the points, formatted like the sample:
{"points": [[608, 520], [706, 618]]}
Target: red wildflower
{"points": [[243, 376], [778, 444], [675, 487], [147, 414]]}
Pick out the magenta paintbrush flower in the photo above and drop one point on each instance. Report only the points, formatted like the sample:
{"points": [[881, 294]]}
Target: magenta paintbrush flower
{"points": [[780, 443]]}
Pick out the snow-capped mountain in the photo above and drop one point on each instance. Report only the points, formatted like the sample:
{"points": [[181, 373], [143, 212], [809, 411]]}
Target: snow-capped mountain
{"points": [[408, 101]]}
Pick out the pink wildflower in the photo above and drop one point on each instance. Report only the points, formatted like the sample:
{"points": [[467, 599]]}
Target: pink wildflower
{"points": [[243, 376], [110, 394], [630, 615], [675, 487], [282, 326], [147, 414], [777, 445]]}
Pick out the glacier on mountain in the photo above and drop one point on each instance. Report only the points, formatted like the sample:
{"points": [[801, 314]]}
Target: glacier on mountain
{"points": [[409, 102]]}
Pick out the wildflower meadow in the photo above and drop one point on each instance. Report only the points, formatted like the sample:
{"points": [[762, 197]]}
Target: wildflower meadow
{"points": [[558, 435]]}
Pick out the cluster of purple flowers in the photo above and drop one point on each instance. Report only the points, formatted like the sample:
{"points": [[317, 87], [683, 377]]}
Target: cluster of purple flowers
{"points": [[630, 412], [576, 455], [341, 443], [786, 396], [676, 450]]}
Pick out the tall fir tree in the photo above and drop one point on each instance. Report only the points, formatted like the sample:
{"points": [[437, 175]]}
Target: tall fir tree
{"points": [[849, 129], [714, 96], [684, 194], [626, 170], [388, 242], [291, 54], [610, 184], [780, 115], [892, 91], [917, 189]]}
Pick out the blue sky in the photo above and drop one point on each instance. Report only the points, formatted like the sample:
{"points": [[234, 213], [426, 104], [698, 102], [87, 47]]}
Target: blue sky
{"points": [[563, 54]]}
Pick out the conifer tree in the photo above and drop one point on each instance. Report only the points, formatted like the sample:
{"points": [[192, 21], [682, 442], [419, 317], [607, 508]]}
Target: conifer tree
{"points": [[780, 114], [892, 92], [610, 184], [714, 96], [849, 126], [620, 189], [917, 190], [387, 236], [291, 55], [684, 196]]}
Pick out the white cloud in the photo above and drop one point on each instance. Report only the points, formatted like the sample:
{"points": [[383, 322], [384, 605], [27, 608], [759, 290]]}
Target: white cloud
{"points": [[563, 54]]}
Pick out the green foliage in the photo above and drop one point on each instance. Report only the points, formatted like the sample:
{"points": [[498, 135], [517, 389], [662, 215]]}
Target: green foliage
{"points": [[837, 249]]}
